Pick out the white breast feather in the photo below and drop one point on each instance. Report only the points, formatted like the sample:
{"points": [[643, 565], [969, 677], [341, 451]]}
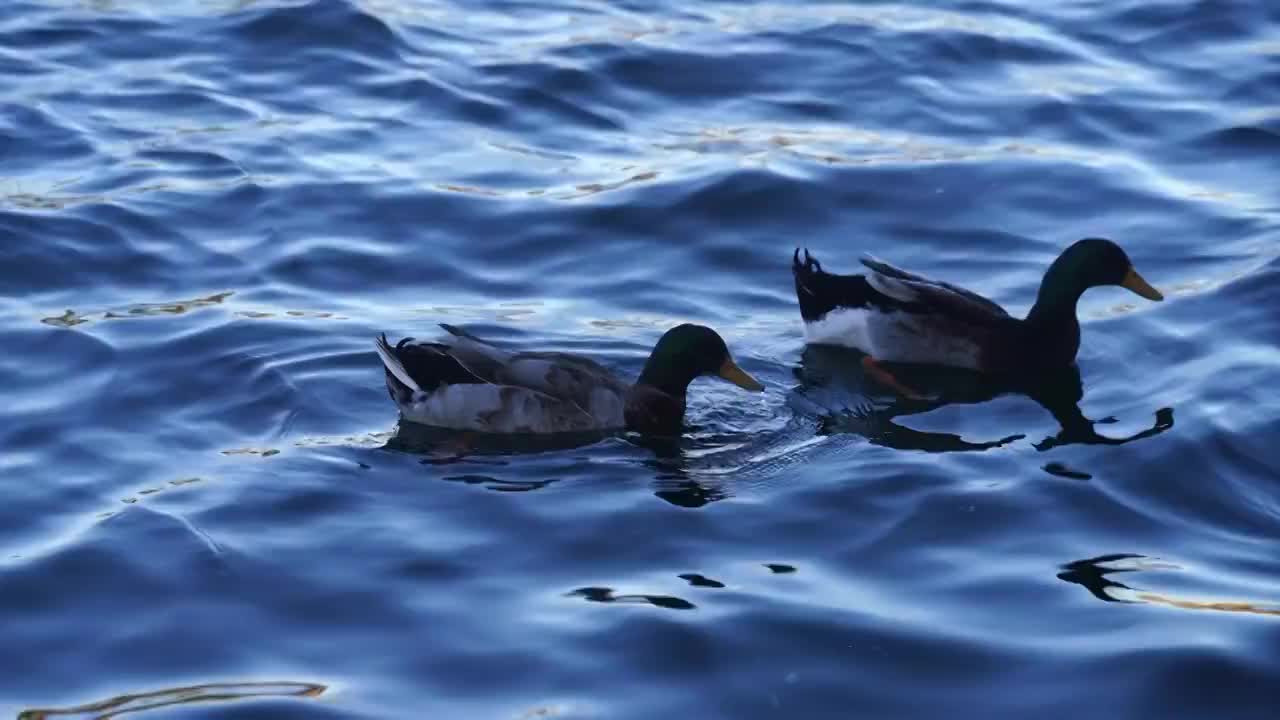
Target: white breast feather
{"points": [[892, 336], [842, 326]]}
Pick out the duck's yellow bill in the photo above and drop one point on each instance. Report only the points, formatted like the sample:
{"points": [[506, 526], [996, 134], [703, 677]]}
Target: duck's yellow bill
{"points": [[1134, 283], [736, 375]]}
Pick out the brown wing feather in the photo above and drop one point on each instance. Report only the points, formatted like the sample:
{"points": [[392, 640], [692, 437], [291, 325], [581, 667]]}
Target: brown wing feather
{"points": [[936, 296], [567, 377]]}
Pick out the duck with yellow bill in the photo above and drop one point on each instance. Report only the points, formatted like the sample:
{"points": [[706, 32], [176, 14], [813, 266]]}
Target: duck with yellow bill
{"points": [[897, 316]]}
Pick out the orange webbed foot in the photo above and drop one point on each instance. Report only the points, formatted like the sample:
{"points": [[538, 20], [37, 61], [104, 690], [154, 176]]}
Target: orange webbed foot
{"points": [[882, 375]]}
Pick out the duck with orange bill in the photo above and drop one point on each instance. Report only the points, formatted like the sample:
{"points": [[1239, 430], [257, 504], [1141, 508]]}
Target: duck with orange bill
{"points": [[465, 383]]}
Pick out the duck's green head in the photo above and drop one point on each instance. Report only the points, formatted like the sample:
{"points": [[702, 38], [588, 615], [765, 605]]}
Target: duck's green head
{"points": [[1092, 262], [687, 351]]}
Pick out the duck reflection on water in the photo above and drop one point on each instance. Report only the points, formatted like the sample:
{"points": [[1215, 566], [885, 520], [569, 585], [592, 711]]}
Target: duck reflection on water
{"points": [[834, 388], [1094, 575], [490, 457], [833, 397]]}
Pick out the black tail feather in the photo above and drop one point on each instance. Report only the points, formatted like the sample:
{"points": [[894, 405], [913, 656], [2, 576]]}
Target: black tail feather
{"points": [[459, 332], [819, 292], [429, 365]]}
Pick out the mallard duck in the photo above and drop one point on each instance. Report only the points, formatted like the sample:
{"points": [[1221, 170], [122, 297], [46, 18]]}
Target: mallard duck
{"points": [[465, 383], [897, 316]]}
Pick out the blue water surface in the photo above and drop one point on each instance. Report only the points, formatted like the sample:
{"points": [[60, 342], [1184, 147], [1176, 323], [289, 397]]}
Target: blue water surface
{"points": [[208, 209]]}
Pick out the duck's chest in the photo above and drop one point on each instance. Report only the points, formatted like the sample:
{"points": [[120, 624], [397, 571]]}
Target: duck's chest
{"points": [[1025, 348], [651, 411], [607, 406]]}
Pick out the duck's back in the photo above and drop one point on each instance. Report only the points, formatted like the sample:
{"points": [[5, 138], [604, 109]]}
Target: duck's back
{"points": [[898, 316], [576, 379], [467, 384]]}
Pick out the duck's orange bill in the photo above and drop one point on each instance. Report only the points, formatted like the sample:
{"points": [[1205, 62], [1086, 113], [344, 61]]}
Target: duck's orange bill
{"points": [[1134, 283], [736, 375]]}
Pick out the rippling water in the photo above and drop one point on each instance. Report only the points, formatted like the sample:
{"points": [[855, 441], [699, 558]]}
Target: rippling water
{"points": [[208, 208]]}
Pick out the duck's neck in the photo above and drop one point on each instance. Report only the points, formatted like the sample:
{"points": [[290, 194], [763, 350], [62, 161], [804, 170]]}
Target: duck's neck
{"points": [[1054, 305], [657, 374], [651, 410], [1052, 324]]}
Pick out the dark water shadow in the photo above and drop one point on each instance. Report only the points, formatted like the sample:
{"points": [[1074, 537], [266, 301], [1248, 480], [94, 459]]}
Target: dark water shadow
{"points": [[700, 467], [1092, 574], [606, 595], [837, 373], [441, 446], [672, 480], [669, 461], [688, 492], [209, 692], [701, 581]]}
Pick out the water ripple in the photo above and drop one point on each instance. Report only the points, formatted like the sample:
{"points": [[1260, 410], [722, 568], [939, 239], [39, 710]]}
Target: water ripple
{"points": [[209, 208]]}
